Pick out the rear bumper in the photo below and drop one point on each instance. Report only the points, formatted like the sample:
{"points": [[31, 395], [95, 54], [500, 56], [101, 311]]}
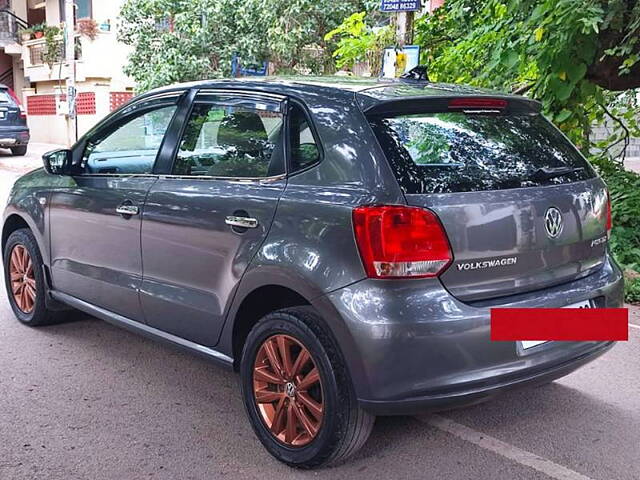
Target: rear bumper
{"points": [[412, 347], [472, 396], [14, 136]]}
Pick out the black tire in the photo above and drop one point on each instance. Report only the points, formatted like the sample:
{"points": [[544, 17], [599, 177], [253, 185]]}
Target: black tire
{"points": [[39, 315], [345, 426], [19, 151]]}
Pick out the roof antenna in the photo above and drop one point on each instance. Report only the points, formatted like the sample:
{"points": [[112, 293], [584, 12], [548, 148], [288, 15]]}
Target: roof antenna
{"points": [[417, 74]]}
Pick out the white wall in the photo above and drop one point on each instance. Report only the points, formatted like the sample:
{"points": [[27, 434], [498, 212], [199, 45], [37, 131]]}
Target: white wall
{"points": [[19, 7], [47, 129], [53, 11]]}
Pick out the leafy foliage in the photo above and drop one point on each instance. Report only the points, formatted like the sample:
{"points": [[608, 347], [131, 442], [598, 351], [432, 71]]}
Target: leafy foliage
{"points": [[182, 40], [169, 42], [624, 189], [292, 25], [579, 57], [632, 289], [53, 46], [360, 42]]}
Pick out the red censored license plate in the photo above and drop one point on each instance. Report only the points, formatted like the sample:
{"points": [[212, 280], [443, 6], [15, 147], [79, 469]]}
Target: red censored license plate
{"points": [[576, 322]]}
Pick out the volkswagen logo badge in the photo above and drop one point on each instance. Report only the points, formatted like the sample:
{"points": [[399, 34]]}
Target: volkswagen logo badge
{"points": [[290, 389], [553, 222]]}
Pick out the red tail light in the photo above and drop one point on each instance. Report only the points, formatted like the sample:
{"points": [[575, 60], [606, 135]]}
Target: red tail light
{"points": [[609, 219], [472, 103], [13, 95], [401, 242]]}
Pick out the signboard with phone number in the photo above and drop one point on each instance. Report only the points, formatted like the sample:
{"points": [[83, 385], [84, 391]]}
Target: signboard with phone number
{"points": [[401, 5]]}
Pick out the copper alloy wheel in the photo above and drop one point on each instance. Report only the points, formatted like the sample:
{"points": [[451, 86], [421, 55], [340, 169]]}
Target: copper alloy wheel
{"points": [[23, 281], [288, 391]]}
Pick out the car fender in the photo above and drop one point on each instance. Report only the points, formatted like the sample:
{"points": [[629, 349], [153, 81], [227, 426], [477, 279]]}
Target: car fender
{"points": [[253, 279], [269, 275], [30, 210]]}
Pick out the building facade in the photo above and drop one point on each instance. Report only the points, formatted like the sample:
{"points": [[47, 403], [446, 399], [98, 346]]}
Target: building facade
{"points": [[39, 77], [431, 5]]}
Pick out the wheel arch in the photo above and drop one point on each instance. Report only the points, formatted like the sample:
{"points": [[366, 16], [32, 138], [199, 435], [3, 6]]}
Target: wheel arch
{"points": [[28, 211], [263, 286], [15, 220], [12, 223], [255, 305]]}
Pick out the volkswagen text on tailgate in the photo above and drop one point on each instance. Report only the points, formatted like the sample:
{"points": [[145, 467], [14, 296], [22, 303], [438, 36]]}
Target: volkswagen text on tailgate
{"points": [[338, 243]]}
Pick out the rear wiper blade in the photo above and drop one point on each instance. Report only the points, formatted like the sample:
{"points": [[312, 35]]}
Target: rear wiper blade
{"points": [[547, 173]]}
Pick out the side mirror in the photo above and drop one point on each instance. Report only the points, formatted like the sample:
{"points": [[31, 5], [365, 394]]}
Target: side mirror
{"points": [[57, 162]]}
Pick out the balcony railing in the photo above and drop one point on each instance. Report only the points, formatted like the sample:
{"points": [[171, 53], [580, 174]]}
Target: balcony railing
{"points": [[9, 26], [37, 51]]}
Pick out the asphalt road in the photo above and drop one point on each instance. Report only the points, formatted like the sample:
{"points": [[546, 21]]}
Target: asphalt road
{"points": [[85, 400]]}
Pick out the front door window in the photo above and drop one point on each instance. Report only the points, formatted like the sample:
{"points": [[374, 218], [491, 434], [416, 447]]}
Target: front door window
{"points": [[130, 148]]}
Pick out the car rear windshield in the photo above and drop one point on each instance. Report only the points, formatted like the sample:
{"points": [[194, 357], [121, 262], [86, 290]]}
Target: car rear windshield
{"points": [[462, 152], [5, 97]]}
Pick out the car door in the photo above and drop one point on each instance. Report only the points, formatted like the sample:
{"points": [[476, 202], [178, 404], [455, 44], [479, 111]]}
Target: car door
{"points": [[203, 224], [95, 222]]}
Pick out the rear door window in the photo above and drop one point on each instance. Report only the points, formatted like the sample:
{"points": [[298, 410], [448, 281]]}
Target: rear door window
{"points": [[460, 152], [232, 137], [6, 98], [304, 148]]}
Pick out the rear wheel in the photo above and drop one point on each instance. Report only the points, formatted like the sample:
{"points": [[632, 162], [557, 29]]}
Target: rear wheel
{"points": [[24, 279], [297, 392], [19, 151]]}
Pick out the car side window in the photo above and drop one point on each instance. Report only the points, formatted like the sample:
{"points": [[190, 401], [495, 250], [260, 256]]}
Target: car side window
{"points": [[233, 138], [304, 148], [131, 147]]}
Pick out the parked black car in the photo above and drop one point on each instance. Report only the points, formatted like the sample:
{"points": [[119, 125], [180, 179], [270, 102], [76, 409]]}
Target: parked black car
{"points": [[14, 133], [340, 245]]}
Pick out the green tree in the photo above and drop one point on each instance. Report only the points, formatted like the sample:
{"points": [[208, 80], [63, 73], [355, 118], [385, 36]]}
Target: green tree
{"points": [[173, 41], [181, 40], [359, 41], [581, 58], [292, 25]]}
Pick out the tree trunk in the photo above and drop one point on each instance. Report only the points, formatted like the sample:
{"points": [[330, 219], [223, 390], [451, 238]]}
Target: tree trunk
{"points": [[605, 70], [606, 74]]}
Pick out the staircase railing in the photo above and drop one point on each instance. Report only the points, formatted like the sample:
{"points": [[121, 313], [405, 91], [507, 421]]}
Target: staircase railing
{"points": [[10, 23], [6, 77]]}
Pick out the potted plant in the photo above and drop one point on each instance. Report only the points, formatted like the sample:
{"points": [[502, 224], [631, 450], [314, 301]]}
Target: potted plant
{"points": [[25, 34], [53, 43], [39, 30], [87, 27]]}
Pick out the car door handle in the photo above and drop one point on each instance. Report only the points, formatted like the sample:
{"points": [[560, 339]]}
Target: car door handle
{"points": [[127, 210], [242, 222]]}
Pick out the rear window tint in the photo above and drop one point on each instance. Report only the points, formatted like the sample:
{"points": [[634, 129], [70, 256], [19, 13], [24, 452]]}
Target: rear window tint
{"points": [[459, 152], [5, 97]]}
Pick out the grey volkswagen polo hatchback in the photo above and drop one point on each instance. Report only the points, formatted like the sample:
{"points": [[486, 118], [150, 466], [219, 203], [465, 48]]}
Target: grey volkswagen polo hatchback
{"points": [[339, 243]]}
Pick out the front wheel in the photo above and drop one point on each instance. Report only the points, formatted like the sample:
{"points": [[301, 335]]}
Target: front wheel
{"points": [[297, 391], [24, 279]]}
